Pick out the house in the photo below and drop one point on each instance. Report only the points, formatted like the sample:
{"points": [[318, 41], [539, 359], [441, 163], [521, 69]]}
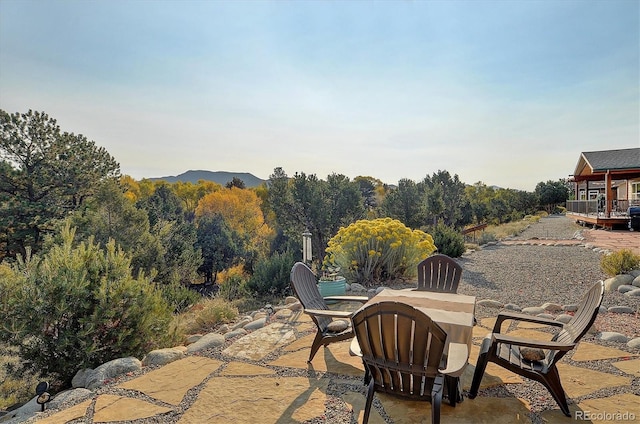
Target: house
{"points": [[607, 184]]}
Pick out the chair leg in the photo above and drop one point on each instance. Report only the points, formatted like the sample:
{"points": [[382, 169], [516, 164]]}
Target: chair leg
{"points": [[436, 400], [317, 342], [552, 383], [481, 365], [367, 405]]}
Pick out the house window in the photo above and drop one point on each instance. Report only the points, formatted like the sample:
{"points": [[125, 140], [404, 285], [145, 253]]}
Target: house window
{"points": [[582, 195], [593, 194], [635, 190]]}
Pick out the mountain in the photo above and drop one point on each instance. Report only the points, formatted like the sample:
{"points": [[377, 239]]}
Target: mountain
{"points": [[220, 177]]}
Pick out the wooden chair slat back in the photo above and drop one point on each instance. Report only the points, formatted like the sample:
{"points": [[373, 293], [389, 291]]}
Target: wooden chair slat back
{"points": [[439, 273]]}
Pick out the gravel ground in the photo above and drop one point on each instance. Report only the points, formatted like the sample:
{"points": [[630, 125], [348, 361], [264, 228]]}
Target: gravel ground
{"points": [[526, 275]]}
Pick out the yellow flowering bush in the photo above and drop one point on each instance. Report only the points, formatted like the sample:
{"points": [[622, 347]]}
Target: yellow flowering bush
{"points": [[375, 250]]}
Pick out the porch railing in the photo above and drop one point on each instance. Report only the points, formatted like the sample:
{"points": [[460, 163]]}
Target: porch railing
{"points": [[590, 207]]}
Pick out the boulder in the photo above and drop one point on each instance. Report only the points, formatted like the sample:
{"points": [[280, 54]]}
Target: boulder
{"points": [[634, 343], [564, 318], [570, 308], [355, 287], [164, 356], [490, 303], [634, 292], [612, 284], [254, 325], [290, 300], [626, 288], [69, 396], [552, 307], [620, 310], [207, 341], [612, 336], [235, 333], [110, 370], [80, 379], [533, 310], [512, 307], [636, 281]]}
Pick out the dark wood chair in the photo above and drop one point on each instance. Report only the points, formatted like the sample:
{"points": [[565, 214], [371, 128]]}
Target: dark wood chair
{"points": [[506, 350], [304, 283], [402, 351], [439, 273]]}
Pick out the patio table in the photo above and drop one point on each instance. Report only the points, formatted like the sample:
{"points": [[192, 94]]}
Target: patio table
{"points": [[454, 313]]}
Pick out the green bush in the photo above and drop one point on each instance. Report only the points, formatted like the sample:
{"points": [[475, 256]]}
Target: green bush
{"points": [[234, 287], [272, 275], [448, 241], [377, 250], [619, 262], [178, 296], [77, 307]]}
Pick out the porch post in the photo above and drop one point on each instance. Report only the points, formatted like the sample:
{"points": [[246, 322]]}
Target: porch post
{"points": [[609, 194]]}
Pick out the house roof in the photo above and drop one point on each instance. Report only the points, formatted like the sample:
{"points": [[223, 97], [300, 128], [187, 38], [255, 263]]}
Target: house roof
{"points": [[620, 160]]}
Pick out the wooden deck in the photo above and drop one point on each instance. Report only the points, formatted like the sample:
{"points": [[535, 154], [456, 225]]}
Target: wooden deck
{"points": [[598, 220]]}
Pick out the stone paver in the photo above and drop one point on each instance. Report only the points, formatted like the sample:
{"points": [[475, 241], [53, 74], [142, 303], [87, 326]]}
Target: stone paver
{"points": [[238, 391], [589, 352], [260, 399], [614, 409], [171, 382], [110, 408]]}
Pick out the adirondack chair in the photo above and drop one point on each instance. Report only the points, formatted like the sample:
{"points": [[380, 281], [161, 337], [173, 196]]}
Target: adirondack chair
{"points": [[304, 284], [439, 273], [402, 351], [506, 350]]}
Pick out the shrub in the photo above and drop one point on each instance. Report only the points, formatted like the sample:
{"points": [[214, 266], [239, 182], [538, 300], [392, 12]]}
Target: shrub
{"points": [[272, 275], [206, 315], [448, 241], [378, 250], [178, 296], [619, 262], [78, 307]]}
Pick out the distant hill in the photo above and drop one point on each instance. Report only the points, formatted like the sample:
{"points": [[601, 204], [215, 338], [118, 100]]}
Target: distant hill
{"points": [[220, 177]]}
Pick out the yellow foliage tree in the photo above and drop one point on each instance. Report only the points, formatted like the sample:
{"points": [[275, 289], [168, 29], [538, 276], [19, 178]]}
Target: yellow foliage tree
{"points": [[241, 210]]}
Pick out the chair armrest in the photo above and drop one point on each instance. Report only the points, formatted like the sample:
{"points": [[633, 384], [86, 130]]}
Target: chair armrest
{"points": [[504, 316], [328, 313], [518, 341], [457, 358], [361, 299], [354, 348]]}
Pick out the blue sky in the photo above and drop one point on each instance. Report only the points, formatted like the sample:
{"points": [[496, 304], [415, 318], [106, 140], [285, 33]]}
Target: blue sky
{"points": [[504, 92]]}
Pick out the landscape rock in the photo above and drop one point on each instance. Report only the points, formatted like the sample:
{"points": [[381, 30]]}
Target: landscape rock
{"points": [[207, 341], [635, 273], [612, 284], [235, 333], [552, 307], [295, 306], [80, 379], [69, 396], [564, 318], [612, 336], [289, 300], [570, 308], [512, 307], [533, 310], [164, 356], [620, 310], [192, 338], [254, 325], [636, 281], [634, 292], [626, 288], [358, 287], [634, 343], [547, 316], [282, 314], [490, 303], [111, 369], [240, 324]]}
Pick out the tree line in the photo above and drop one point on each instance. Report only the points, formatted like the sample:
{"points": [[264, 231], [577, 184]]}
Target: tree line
{"points": [[182, 233]]}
